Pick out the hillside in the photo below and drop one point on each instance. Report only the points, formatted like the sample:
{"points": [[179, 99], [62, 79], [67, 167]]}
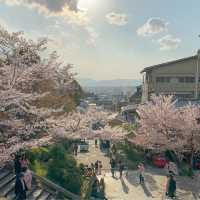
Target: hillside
{"points": [[109, 83]]}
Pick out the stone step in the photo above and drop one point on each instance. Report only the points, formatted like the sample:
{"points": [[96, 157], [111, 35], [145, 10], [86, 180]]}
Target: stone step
{"points": [[6, 180], [11, 194], [44, 195], [51, 198], [3, 174], [8, 187], [35, 194]]}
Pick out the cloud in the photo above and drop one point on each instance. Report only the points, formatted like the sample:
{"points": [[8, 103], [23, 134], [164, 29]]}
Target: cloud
{"points": [[169, 42], [54, 6], [64, 8], [93, 36], [118, 19], [152, 26]]}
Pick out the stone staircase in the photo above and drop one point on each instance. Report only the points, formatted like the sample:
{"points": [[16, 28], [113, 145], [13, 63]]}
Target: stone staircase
{"points": [[42, 189]]}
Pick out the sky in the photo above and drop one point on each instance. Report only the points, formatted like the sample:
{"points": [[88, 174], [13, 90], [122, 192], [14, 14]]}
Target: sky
{"points": [[109, 39]]}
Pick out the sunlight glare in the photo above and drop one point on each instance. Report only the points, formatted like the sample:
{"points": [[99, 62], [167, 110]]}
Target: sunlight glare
{"points": [[87, 4]]}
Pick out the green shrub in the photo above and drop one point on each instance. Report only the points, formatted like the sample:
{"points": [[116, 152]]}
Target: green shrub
{"points": [[186, 170], [56, 163], [39, 168], [65, 172]]}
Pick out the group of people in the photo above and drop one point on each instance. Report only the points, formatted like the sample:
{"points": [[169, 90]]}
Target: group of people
{"points": [[23, 181]]}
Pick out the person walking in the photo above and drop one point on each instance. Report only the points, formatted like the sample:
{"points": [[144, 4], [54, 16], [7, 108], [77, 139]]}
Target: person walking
{"points": [[141, 170], [75, 149], [100, 166], [171, 187], [20, 187], [121, 168], [96, 167], [96, 143], [112, 164]]}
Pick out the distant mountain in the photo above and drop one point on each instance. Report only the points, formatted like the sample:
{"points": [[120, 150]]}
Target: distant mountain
{"points": [[109, 83]]}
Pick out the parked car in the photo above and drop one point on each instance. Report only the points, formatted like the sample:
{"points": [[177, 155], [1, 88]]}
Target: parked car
{"points": [[84, 146], [160, 161]]}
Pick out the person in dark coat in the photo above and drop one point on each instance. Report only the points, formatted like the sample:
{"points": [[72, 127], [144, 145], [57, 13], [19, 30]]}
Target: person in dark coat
{"points": [[17, 165], [20, 187], [171, 187], [121, 168], [96, 165], [112, 165]]}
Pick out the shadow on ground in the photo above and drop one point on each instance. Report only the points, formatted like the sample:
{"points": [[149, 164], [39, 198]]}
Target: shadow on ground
{"points": [[146, 190], [124, 186]]}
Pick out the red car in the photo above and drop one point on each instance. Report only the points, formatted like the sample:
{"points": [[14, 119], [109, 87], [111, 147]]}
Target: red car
{"points": [[160, 161]]}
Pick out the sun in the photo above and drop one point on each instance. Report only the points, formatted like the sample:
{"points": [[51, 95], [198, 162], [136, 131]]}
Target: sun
{"points": [[87, 4]]}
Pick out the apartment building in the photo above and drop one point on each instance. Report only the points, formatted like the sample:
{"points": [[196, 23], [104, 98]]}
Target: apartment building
{"points": [[179, 77]]}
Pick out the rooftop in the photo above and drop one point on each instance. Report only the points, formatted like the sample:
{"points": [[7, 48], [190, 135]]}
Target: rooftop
{"points": [[167, 63]]}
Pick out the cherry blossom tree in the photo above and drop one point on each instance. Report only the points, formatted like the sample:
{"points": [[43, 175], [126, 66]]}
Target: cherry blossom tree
{"points": [[158, 123], [26, 76], [164, 126], [190, 116], [79, 126]]}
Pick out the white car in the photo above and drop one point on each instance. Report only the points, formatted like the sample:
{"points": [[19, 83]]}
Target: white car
{"points": [[83, 146]]}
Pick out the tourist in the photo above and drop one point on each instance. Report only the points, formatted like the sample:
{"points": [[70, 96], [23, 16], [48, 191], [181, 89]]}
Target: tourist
{"points": [[96, 167], [171, 187], [93, 168], [17, 165], [102, 188], [20, 187], [76, 149], [114, 149], [24, 161], [121, 168], [141, 170], [100, 166], [171, 168], [113, 165], [96, 143], [27, 177]]}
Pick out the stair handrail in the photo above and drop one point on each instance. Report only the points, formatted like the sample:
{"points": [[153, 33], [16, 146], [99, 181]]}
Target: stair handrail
{"points": [[57, 187]]}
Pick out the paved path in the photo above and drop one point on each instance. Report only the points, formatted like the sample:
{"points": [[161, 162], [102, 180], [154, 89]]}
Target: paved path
{"points": [[128, 188], [93, 155]]}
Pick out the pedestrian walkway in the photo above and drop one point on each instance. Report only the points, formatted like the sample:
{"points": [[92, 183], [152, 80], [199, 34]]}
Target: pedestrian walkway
{"points": [[128, 188]]}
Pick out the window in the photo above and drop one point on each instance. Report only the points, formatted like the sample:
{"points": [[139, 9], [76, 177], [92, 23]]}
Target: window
{"points": [[185, 96], [163, 79], [187, 79]]}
